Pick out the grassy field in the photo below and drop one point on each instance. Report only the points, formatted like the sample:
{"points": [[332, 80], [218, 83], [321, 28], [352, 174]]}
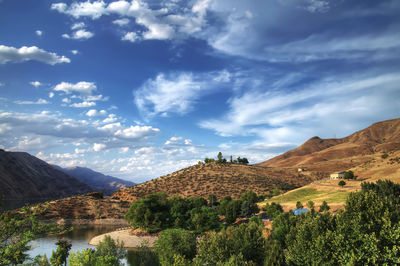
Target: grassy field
{"points": [[335, 198]]}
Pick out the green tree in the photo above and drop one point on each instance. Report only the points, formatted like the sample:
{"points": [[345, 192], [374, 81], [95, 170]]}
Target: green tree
{"points": [[299, 205], [109, 247], [218, 248], [17, 229], [212, 200], [204, 219], [151, 213], [324, 206], [59, 257], [342, 183], [249, 196], [311, 205], [179, 211], [108, 253], [348, 175], [272, 210], [220, 157], [173, 242]]}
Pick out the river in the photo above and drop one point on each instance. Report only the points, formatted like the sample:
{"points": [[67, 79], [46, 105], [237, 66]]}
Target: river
{"points": [[79, 237]]}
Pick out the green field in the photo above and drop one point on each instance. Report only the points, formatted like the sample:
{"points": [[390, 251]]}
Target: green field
{"points": [[306, 194]]}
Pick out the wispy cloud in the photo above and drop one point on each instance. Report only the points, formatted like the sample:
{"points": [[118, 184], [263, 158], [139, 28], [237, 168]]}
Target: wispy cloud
{"points": [[39, 101], [177, 92]]}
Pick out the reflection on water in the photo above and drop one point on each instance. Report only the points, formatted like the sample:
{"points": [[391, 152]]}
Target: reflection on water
{"points": [[79, 237]]}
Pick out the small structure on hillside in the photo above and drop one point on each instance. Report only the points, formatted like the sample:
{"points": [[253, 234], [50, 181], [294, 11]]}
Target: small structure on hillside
{"points": [[299, 211], [337, 175], [301, 169]]}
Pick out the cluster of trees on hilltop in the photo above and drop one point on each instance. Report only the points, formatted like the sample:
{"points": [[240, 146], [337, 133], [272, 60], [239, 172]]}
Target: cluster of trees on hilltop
{"points": [[222, 160]]}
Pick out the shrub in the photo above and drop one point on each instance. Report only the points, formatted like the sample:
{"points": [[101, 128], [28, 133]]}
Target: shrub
{"points": [[272, 210], [173, 242]]}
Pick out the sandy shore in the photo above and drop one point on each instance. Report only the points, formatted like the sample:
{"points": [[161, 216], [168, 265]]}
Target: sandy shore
{"points": [[130, 240]]}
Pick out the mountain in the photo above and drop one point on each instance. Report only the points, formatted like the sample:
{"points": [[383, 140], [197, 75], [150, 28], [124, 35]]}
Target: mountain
{"points": [[330, 155], [219, 179], [27, 179], [106, 183]]}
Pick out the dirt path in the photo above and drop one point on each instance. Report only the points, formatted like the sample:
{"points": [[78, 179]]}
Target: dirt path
{"points": [[130, 240]]}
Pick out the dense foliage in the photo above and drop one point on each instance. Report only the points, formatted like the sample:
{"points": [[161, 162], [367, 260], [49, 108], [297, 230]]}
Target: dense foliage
{"points": [[156, 212], [366, 232]]}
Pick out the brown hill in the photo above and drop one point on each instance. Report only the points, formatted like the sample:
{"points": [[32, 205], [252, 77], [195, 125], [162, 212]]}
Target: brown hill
{"points": [[27, 179], [329, 155], [88, 206], [218, 179]]}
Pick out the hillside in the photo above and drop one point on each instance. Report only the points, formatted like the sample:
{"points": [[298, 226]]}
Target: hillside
{"points": [[26, 179], [330, 155], [88, 206], [218, 179], [107, 184]]}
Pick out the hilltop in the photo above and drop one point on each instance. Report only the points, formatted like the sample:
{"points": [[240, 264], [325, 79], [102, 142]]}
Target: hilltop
{"points": [[330, 155], [219, 179], [28, 179]]}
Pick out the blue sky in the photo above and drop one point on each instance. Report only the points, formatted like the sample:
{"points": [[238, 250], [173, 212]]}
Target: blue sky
{"points": [[139, 89]]}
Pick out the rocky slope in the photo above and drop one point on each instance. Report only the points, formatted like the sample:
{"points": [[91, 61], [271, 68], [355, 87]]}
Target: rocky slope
{"points": [[218, 179], [105, 183], [329, 155], [27, 178]]}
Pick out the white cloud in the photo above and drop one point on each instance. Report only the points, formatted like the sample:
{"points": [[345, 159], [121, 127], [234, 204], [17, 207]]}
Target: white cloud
{"points": [[66, 100], [51, 94], [39, 101], [176, 93], [130, 36], [99, 146], [121, 22], [79, 35], [82, 87], [110, 119], [124, 150], [75, 52], [94, 112], [35, 83], [79, 25], [39, 32], [83, 104], [1, 84], [15, 55], [81, 9], [137, 132], [96, 98]]}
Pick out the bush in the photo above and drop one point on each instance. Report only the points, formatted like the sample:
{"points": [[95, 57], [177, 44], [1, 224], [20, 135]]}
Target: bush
{"points": [[173, 242]]}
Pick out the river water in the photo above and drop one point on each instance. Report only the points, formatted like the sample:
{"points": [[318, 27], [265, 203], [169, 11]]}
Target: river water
{"points": [[79, 237]]}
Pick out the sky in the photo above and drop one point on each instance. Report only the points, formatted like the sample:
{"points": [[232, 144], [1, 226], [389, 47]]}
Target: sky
{"points": [[139, 89]]}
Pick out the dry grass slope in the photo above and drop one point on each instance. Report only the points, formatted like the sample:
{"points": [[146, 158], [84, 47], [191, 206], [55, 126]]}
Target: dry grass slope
{"points": [[218, 179]]}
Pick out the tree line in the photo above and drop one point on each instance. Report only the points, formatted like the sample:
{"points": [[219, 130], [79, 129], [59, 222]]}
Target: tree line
{"points": [[221, 160]]}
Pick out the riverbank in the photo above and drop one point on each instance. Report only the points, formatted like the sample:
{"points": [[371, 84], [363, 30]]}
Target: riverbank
{"points": [[114, 222], [130, 239]]}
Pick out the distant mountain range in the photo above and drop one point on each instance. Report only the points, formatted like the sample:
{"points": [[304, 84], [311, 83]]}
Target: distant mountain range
{"points": [[107, 184], [27, 179]]}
